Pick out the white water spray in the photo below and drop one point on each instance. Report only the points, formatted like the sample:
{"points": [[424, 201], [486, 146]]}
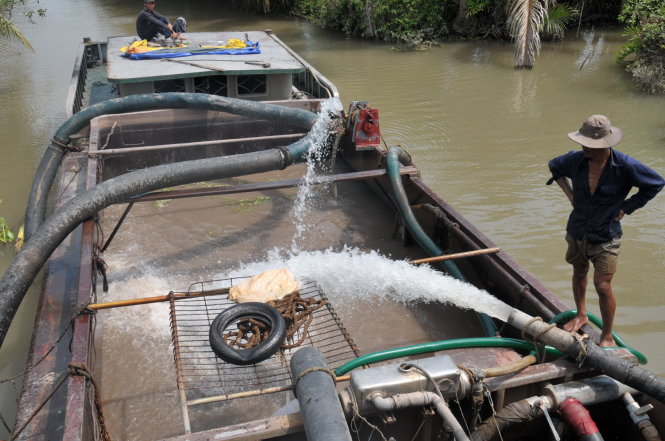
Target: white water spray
{"points": [[315, 163], [350, 274]]}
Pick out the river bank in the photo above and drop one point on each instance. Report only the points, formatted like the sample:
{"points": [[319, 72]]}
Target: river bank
{"points": [[480, 132]]}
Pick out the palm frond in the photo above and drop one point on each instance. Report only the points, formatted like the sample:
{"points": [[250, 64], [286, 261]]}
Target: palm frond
{"points": [[9, 31], [557, 19], [525, 18]]}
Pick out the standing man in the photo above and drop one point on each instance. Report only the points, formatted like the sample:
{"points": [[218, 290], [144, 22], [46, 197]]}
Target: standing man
{"points": [[150, 23], [601, 179]]}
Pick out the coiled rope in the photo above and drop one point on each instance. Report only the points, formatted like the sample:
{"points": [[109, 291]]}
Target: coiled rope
{"points": [[298, 312]]}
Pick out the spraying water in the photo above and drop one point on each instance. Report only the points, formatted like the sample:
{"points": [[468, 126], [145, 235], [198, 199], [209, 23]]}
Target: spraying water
{"points": [[351, 274], [315, 163]]}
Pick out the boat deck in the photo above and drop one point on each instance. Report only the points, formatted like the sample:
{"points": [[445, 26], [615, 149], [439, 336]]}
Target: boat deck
{"points": [[205, 238]]}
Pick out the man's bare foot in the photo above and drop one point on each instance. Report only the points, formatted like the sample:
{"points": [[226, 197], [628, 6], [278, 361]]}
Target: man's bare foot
{"points": [[575, 324], [607, 342]]}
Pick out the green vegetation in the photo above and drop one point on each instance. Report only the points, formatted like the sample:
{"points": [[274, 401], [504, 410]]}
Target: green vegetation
{"points": [[557, 20], [417, 24], [644, 54], [6, 234], [407, 22], [7, 28]]}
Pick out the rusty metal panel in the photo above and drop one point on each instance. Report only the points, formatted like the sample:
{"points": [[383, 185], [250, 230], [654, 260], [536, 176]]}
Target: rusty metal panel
{"points": [[77, 411], [59, 299]]}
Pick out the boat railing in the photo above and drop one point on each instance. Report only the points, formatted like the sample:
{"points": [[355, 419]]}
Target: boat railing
{"points": [[311, 80], [314, 84], [90, 54]]}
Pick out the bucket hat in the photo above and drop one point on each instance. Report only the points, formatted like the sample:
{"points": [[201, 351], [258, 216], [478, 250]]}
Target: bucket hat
{"points": [[597, 132]]}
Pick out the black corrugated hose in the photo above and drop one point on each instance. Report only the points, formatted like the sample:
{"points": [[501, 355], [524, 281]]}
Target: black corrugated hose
{"points": [[511, 415], [29, 261], [56, 151]]}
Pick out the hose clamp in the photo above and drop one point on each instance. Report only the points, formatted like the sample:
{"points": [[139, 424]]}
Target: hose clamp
{"points": [[59, 146], [64, 146], [287, 159]]}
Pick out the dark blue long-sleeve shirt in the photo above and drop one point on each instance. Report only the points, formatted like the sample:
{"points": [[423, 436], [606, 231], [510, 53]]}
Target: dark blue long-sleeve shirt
{"points": [[149, 23], [594, 216]]}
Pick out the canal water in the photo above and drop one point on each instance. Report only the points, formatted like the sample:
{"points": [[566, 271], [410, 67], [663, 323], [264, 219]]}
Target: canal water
{"points": [[480, 132]]}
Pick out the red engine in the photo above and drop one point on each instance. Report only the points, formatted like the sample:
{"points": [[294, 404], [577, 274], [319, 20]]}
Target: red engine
{"points": [[364, 122]]}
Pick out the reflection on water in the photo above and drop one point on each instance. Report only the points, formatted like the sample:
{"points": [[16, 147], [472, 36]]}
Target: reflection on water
{"points": [[594, 48], [480, 132]]}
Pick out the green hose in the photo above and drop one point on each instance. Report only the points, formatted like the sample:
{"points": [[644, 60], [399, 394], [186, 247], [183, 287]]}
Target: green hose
{"points": [[458, 343], [395, 156], [404, 208], [593, 318]]}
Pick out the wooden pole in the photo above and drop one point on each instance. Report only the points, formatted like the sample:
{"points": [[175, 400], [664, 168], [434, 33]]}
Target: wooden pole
{"points": [[253, 393], [156, 299], [456, 256]]}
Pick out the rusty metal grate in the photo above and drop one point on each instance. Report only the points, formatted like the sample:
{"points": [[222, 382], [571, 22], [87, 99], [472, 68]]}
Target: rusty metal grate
{"points": [[202, 377]]}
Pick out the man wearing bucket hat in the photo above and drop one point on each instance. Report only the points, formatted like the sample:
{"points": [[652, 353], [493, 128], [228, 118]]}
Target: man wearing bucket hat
{"points": [[601, 180], [150, 24]]}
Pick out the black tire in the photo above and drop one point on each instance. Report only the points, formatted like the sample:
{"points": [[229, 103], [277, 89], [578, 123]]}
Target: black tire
{"points": [[256, 310]]}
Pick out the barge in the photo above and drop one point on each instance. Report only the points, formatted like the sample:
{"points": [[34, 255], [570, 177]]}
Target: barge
{"points": [[178, 178]]}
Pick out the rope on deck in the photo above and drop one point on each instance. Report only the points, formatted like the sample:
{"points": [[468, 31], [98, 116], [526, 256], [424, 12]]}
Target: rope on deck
{"points": [[540, 357], [75, 369]]}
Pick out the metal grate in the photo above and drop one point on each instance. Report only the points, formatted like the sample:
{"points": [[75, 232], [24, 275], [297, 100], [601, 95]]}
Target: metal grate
{"points": [[213, 85], [252, 84], [202, 377], [174, 85]]}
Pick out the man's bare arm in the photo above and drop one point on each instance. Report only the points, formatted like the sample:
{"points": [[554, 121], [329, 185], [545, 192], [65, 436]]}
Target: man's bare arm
{"points": [[565, 186]]}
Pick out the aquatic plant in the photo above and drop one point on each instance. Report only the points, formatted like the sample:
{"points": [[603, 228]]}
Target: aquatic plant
{"points": [[408, 41], [6, 234]]}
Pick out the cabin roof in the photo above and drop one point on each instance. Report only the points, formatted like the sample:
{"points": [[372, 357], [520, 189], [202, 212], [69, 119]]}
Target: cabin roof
{"points": [[125, 70]]}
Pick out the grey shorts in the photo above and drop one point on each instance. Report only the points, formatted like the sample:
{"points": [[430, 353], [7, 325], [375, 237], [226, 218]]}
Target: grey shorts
{"points": [[604, 256]]}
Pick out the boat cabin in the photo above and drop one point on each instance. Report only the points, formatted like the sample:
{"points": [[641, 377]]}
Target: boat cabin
{"points": [[266, 76], [277, 73]]}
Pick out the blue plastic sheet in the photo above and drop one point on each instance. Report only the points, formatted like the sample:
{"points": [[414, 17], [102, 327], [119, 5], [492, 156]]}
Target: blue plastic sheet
{"points": [[252, 48]]}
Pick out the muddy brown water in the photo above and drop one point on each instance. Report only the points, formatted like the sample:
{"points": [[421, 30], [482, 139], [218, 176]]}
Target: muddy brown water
{"points": [[480, 132]]}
